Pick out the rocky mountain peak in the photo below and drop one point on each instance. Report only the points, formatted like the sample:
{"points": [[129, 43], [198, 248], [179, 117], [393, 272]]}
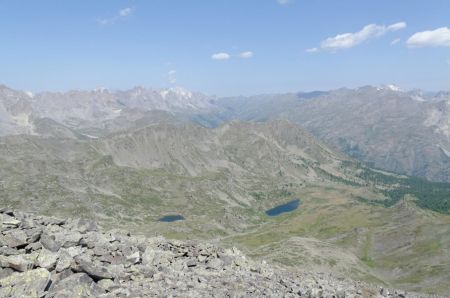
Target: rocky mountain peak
{"points": [[177, 91]]}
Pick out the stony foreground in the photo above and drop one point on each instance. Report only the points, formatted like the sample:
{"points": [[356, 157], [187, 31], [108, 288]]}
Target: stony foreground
{"points": [[50, 257]]}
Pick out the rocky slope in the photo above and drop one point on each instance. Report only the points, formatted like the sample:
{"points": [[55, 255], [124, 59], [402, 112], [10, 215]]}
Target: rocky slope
{"points": [[51, 257]]}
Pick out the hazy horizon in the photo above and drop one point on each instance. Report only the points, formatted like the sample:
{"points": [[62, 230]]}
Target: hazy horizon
{"points": [[401, 89]]}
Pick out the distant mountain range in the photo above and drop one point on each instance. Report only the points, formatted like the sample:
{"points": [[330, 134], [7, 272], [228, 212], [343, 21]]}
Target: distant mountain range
{"points": [[78, 109], [407, 132], [404, 132]]}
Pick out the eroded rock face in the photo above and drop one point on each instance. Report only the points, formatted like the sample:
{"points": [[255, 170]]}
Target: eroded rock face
{"points": [[49, 257]]}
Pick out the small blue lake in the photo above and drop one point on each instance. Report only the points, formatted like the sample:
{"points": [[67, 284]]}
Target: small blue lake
{"points": [[171, 218], [287, 207]]}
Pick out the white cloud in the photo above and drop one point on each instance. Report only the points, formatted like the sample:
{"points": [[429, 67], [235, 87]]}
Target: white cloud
{"points": [[104, 22], [171, 76], [248, 54], [350, 40], [439, 37], [220, 56], [126, 12], [283, 2], [397, 26], [312, 50], [123, 13], [395, 41]]}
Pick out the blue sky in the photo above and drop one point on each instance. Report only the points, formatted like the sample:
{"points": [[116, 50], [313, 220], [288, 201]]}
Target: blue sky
{"points": [[225, 47]]}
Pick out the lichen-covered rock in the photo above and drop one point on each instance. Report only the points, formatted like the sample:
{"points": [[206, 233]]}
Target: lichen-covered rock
{"points": [[64, 261], [5, 272], [26, 284], [46, 259]]}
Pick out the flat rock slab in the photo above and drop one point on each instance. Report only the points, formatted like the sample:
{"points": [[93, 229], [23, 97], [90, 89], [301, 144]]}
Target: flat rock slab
{"points": [[8, 220], [18, 262], [14, 238], [97, 272]]}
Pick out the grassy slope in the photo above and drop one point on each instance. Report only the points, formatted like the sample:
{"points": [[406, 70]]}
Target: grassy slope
{"points": [[402, 245]]}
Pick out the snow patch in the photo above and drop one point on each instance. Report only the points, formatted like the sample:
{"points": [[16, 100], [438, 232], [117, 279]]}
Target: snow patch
{"points": [[22, 119], [164, 93], [178, 92], [418, 98], [89, 136], [393, 87], [181, 92]]}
